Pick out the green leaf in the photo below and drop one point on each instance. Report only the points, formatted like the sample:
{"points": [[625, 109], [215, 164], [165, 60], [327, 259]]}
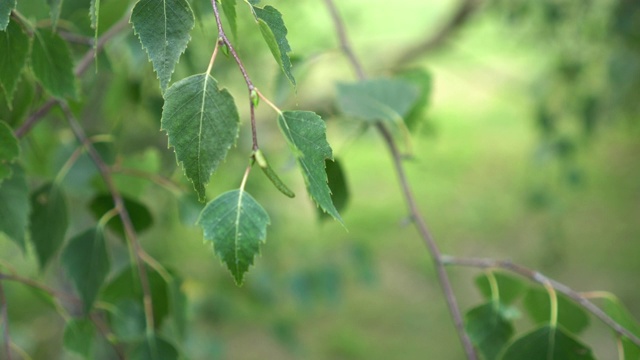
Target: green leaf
{"points": [[6, 6], [154, 348], [488, 329], [274, 33], [337, 185], [424, 82], [163, 28], [138, 212], [201, 122], [14, 50], [54, 9], [377, 99], [619, 313], [49, 221], [570, 315], [52, 64], [14, 206], [78, 336], [237, 225], [125, 292], [271, 175], [229, 9], [9, 150], [547, 343], [94, 15], [305, 133], [86, 261], [509, 288]]}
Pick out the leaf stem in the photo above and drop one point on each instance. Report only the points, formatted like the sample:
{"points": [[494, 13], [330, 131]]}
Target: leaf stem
{"points": [[418, 220], [118, 201], [539, 278], [266, 100], [245, 176], [213, 56]]}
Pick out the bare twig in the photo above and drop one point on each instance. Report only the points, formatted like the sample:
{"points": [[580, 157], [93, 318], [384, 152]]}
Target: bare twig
{"points": [[4, 318], [460, 16], [418, 220], [541, 279], [118, 201], [79, 70], [36, 285]]}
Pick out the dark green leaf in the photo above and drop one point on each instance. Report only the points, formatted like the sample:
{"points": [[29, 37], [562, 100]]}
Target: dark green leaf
{"points": [[237, 225], [274, 33], [619, 313], [163, 28], [52, 64], [154, 348], [78, 336], [14, 206], [377, 99], [201, 122], [125, 291], [86, 261], [509, 287], [54, 9], [14, 50], [570, 315], [423, 81], [229, 9], [49, 221], [305, 133], [6, 6], [9, 150], [127, 319], [337, 185], [488, 329], [138, 212], [15, 112], [547, 343]]}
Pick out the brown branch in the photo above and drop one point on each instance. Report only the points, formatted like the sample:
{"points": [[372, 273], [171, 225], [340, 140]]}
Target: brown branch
{"points": [[36, 285], [80, 69], [417, 218], [4, 317], [541, 279], [460, 16], [118, 201]]}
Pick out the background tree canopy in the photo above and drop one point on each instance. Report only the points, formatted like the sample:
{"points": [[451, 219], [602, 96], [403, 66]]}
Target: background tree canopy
{"points": [[517, 124]]}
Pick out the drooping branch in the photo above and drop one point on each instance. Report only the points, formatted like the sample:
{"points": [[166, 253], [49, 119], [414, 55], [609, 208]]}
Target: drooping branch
{"points": [[417, 218], [541, 279], [461, 15]]}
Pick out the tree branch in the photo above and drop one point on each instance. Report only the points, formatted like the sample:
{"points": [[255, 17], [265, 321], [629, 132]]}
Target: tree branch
{"points": [[4, 318], [541, 279], [417, 218], [461, 15]]}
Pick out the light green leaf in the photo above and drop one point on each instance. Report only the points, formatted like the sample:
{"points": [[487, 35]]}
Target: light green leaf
{"points": [[488, 329], [201, 122], [547, 343], [6, 6], [94, 15], [271, 174], [163, 28], [9, 150], [54, 9], [424, 82], [377, 99], [86, 261], [571, 316], [237, 225], [229, 9], [14, 206], [337, 185], [154, 348], [78, 336], [510, 289], [52, 64], [14, 50], [619, 313], [274, 33], [49, 221], [305, 133]]}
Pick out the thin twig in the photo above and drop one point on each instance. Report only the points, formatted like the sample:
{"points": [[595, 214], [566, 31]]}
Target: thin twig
{"points": [[4, 317], [118, 201], [542, 279], [418, 220], [79, 70], [36, 285]]}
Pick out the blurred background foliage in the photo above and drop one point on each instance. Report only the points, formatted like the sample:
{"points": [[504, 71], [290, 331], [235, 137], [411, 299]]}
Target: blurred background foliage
{"points": [[529, 151]]}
